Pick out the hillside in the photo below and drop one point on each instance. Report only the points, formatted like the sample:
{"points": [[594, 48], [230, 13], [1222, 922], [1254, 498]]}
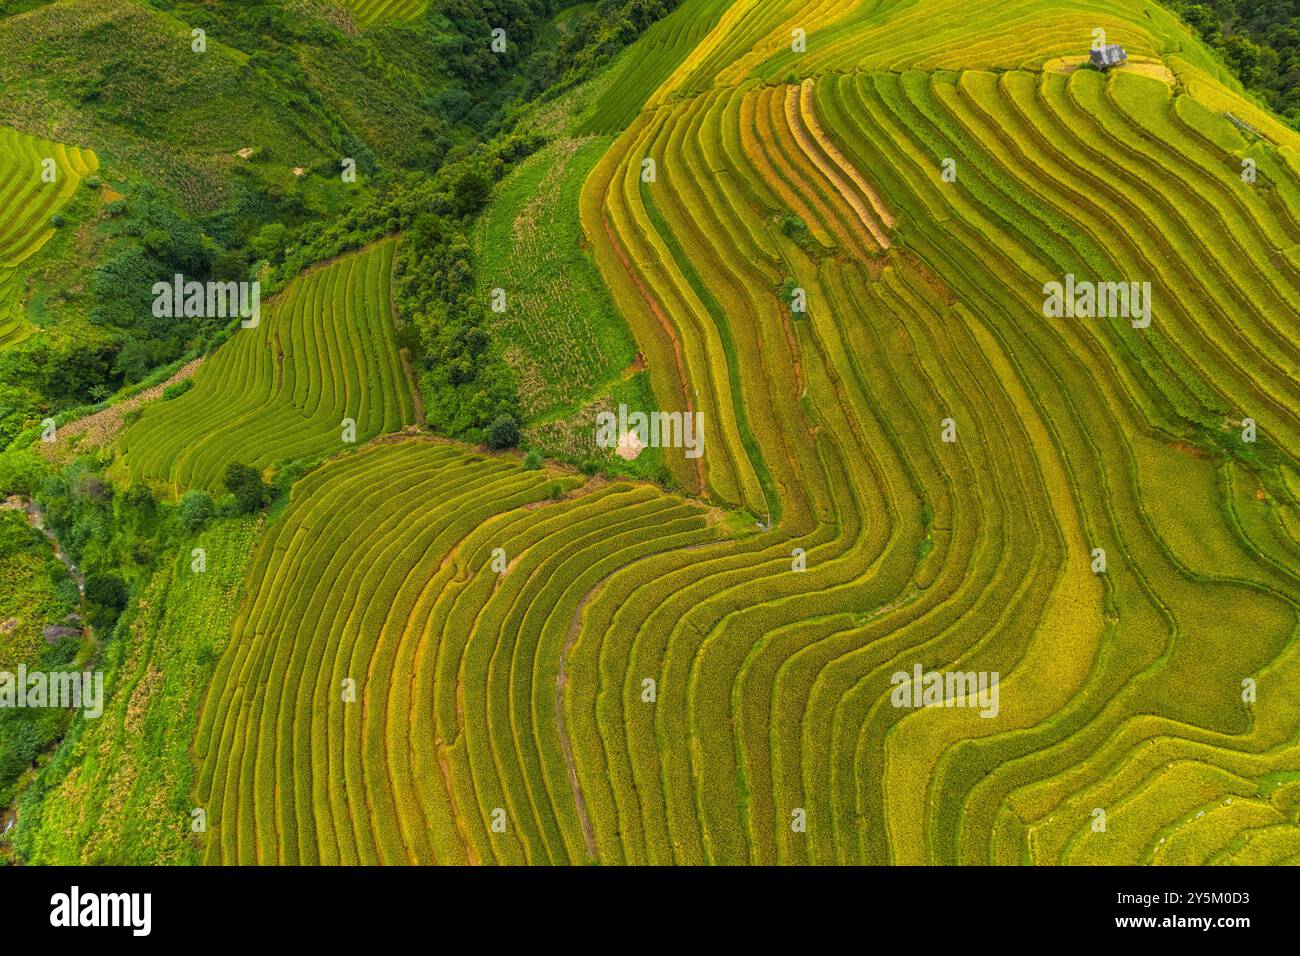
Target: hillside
{"points": [[324, 353], [841, 234], [924, 305], [38, 177]]}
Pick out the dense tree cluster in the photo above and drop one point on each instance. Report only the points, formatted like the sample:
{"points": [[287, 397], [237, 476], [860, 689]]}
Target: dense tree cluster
{"points": [[247, 486], [1259, 40]]}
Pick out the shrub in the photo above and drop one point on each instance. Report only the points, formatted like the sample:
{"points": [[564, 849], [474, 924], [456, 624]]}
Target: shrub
{"points": [[21, 472], [247, 486], [225, 507], [106, 594], [107, 590], [795, 228], [533, 460], [195, 509], [503, 432], [177, 388]]}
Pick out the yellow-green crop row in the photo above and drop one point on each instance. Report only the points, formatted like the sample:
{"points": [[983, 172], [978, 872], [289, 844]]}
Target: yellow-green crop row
{"points": [[36, 178], [319, 373]]}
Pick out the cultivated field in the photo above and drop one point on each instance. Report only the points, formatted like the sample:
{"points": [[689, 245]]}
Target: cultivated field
{"points": [[323, 352], [369, 12], [839, 256], [409, 686], [36, 178], [924, 304]]}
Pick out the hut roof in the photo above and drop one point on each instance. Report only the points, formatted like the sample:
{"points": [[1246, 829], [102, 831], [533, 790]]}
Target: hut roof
{"points": [[1111, 55]]}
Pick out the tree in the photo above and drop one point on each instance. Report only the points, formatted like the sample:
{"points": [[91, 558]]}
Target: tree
{"points": [[269, 242], [1243, 56], [133, 361], [106, 594], [140, 497], [471, 190], [503, 432], [246, 485], [196, 509], [138, 506]]}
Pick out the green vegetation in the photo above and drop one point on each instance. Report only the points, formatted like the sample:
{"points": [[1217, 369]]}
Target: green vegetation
{"points": [[38, 592], [345, 640], [130, 799], [1260, 40], [323, 355], [563, 337]]}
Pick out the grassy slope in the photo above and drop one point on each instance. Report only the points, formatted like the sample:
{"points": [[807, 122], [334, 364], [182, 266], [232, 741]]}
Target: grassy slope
{"points": [[126, 797], [121, 75], [561, 332], [29, 600], [212, 104]]}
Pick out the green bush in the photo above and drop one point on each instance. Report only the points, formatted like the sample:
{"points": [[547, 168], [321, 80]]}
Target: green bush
{"points": [[177, 389], [503, 432], [227, 506], [247, 486], [196, 509], [106, 593]]}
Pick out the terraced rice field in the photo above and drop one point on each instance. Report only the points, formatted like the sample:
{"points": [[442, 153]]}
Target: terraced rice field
{"points": [[323, 352], [27, 204], [1121, 691], [367, 13], [381, 573], [644, 67]]}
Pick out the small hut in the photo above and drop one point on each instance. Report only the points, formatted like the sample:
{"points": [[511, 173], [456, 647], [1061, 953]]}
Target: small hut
{"points": [[1109, 56]]}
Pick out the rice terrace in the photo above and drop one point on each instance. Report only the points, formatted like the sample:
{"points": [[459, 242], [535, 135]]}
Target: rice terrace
{"points": [[738, 432]]}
